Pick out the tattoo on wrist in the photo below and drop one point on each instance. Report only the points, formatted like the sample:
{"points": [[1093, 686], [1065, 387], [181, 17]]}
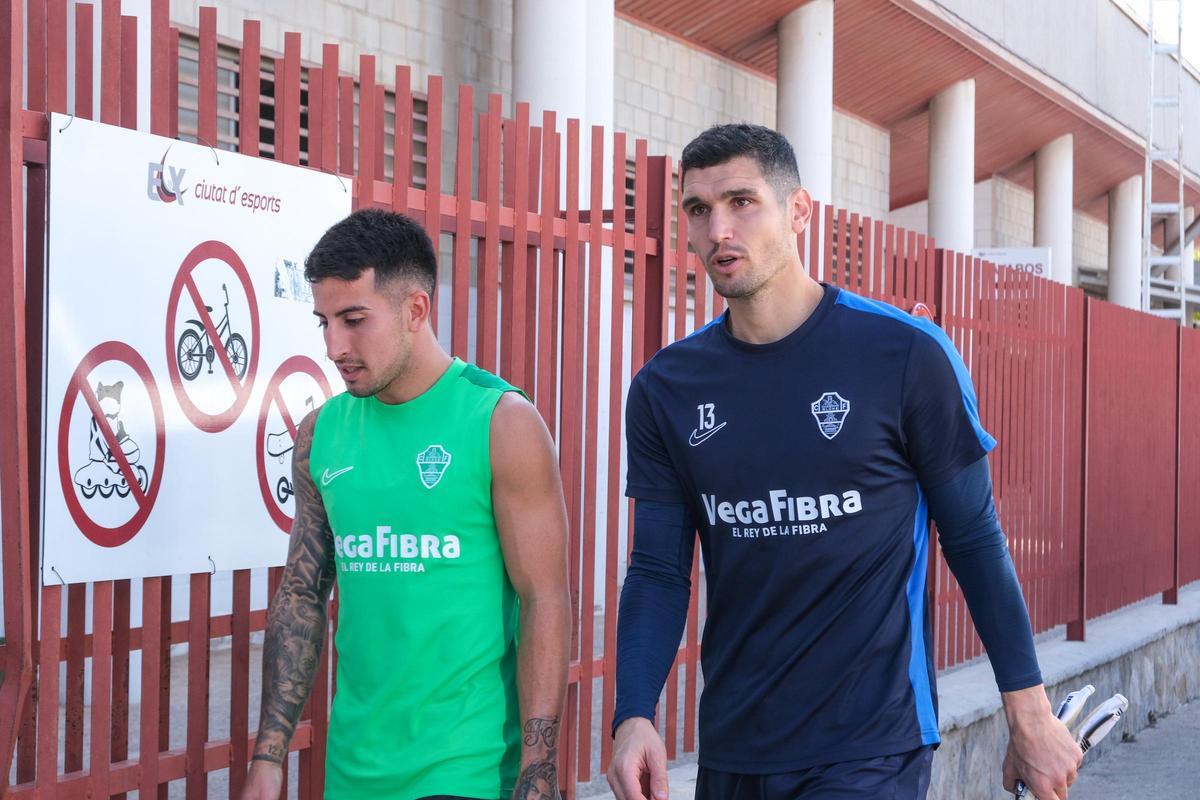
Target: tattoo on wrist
{"points": [[538, 781], [273, 755], [541, 732]]}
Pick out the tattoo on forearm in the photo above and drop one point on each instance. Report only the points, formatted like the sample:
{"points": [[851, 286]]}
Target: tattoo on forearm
{"points": [[297, 621], [541, 731], [538, 781]]}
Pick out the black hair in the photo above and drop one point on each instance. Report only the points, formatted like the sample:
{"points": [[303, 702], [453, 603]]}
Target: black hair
{"points": [[768, 148], [394, 245]]}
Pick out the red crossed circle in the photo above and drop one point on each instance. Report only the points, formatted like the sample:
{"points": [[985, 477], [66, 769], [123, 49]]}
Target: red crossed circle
{"points": [[273, 397], [77, 387], [212, 249]]}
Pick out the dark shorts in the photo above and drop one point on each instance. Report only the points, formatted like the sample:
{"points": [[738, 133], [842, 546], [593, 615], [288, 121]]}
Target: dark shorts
{"points": [[900, 777]]}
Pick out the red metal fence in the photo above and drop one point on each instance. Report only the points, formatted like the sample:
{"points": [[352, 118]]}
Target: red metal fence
{"points": [[570, 301], [1131, 456]]}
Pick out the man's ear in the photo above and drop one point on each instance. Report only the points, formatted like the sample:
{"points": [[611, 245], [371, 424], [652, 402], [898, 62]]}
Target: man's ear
{"points": [[800, 208], [417, 308]]}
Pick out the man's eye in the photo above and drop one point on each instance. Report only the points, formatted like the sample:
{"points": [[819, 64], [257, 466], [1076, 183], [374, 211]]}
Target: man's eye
{"points": [[322, 324], [353, 321], [697, 211], [741, 202]]}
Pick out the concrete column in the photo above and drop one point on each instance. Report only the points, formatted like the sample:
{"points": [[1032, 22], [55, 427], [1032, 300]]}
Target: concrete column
{"points": [[952, 167], [1125, 243], [1054, 205], [1184, 269], [563, 60], [804, 93], [550, 57]]}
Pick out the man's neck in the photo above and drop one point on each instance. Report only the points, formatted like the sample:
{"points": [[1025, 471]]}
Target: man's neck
{"points": [[426, 364], [778, 308]]}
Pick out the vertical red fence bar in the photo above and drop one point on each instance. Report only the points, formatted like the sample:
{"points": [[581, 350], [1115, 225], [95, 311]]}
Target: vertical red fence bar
{"points": [[488, 264], [545, 317], [616, 338], [461, 259], [403, 139], [35, 181], [1171, 593], [433, 169], [569, 441], [588, 530], [77, 592], [1189, 467]]}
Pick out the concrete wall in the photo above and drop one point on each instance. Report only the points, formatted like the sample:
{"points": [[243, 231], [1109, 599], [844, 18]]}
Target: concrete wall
{"points": [[1092, 47], [1150, 653]]}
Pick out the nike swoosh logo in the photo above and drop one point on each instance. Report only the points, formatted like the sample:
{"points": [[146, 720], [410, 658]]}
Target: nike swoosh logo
{"points": [[327, 477], [694, 440]]}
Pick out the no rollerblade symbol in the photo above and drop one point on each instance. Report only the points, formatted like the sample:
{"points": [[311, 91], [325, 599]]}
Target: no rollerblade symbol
{"points": [[297, 387], [211, 359], [110, 461]]}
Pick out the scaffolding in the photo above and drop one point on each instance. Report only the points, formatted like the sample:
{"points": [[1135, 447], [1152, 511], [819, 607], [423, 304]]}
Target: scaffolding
{"points": [[1168, 279]]}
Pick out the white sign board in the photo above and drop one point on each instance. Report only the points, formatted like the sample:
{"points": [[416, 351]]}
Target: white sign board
{"points": [[1035, 260], [181, 352]]}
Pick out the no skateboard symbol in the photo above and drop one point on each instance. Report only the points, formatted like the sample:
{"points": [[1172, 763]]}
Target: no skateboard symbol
{"points": [[211, 364], [297, 387], [110, 455]]}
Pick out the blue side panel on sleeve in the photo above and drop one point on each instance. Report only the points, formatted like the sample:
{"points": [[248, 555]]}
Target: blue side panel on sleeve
{"points": [[849, 300], [918, 667]]}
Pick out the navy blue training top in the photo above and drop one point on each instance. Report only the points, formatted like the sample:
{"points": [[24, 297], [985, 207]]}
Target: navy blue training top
{"points": [[802, 462]]}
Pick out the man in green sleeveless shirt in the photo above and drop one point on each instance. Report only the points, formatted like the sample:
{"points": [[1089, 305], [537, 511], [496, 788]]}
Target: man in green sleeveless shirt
{"points": [[429, 492]]}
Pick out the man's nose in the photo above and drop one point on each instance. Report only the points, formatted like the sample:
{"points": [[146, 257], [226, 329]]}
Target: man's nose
{"points": [[335, 343], [719, 228]]}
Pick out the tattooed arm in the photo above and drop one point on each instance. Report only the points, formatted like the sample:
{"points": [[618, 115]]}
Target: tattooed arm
{"points": [[296, 625], [532, 522]]}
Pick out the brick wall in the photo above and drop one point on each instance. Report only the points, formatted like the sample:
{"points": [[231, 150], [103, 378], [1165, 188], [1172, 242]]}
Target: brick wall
{"points": [[464, 42], [1012, 214], [861, 166], [1090, 242], [666, 92]]}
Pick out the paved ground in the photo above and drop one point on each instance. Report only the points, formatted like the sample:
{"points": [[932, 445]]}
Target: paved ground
{"points": [[1161, 762]]}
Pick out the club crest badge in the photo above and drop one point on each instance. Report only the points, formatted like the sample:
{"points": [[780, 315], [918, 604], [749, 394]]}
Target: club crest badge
{"points": [[432, 463], [830, 411]]}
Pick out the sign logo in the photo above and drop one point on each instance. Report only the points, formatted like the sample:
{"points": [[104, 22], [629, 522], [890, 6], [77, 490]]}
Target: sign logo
{"points": [[830, 411], [432, 463], [158, 188]]}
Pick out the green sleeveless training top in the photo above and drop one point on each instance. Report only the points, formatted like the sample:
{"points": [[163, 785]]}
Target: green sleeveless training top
{"points": [[426, 698]]}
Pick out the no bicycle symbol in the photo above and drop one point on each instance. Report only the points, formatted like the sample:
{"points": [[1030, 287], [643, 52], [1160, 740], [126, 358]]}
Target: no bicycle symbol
{"points": [[118, 443], [211, 364], [296, 388]]}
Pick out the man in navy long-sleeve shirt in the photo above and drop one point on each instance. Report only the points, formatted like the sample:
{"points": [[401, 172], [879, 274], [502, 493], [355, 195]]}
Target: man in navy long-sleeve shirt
{"points": [[808, 434]]}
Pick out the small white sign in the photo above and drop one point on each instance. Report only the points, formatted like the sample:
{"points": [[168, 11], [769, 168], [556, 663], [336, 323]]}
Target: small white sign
{"points": [[181, 352], [1034, 260]]}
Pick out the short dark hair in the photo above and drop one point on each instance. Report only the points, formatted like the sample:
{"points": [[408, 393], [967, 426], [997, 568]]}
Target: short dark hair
{"points": [[768, 148], [394, 245]]}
